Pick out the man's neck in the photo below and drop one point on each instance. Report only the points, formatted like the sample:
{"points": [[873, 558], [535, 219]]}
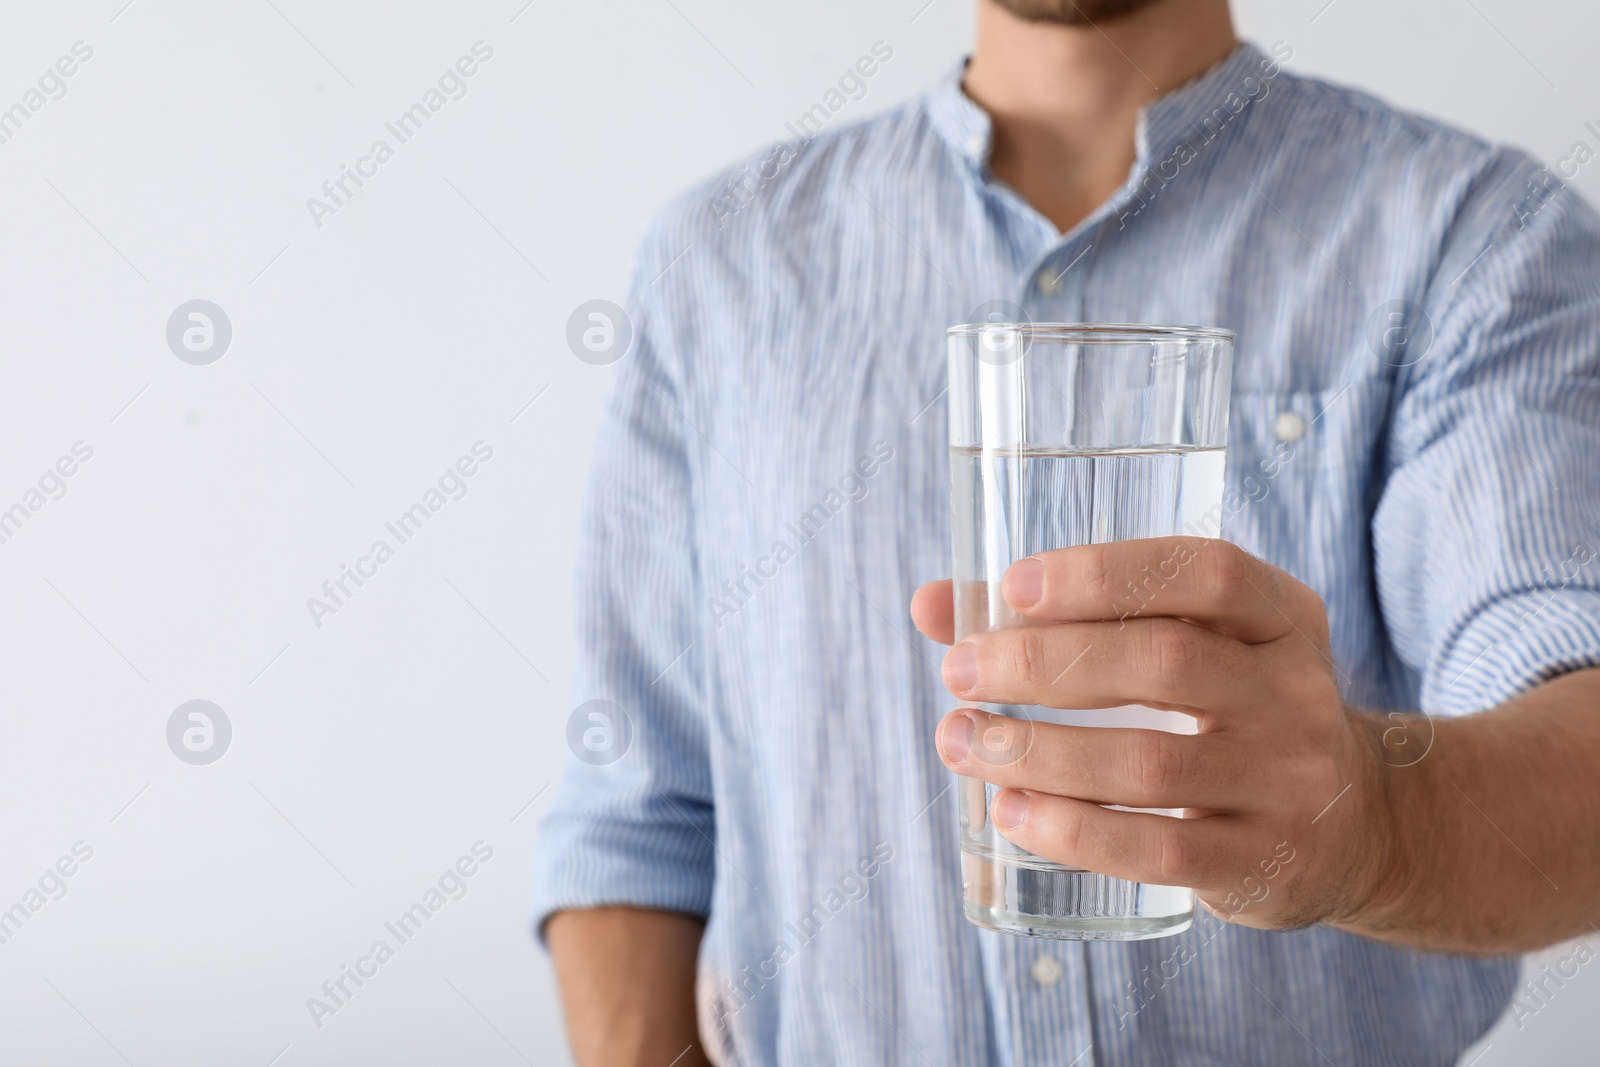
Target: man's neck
{"points": [[1064, 100]]}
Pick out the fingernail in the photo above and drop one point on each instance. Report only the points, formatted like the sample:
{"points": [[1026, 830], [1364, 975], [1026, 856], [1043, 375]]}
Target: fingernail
{"points": [[1023, 584], [961, 667], [955, 740], [1008, 808]]}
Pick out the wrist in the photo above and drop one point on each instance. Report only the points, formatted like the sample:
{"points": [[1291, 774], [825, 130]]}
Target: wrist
{"points": [[1391, 773]]}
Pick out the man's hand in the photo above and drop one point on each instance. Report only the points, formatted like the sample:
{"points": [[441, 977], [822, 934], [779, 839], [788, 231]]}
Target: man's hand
{"points": [[1286, 822]]}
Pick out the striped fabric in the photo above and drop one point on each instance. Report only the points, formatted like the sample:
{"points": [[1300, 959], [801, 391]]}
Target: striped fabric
{"points": [[770, 485]]}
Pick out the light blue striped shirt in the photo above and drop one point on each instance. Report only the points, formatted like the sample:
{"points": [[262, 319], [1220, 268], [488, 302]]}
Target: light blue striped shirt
{"points": [[770, 484]]}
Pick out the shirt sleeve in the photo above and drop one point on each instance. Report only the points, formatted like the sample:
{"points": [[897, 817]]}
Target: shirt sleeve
{"points": [[1485, 535], [635, 828]]}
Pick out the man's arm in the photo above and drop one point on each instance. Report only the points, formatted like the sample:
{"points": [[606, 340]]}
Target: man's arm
{"points": [[1494, 835], [627, 983], [625, 851]]}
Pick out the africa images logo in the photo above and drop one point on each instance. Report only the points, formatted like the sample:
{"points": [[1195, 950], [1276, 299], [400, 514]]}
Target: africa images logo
{"points": [[452, 85], [451, 885], [452, 485], [852, 487]]}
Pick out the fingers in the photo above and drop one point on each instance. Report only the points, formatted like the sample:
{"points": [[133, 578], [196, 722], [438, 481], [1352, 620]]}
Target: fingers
{"points": [[1154, 849], [1213, 582], [933, 611], [1158, 662], [1104, 765]]}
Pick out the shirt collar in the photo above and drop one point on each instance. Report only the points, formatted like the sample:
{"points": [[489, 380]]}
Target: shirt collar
{"points": [[1163, 123], [960, 121], [1205, 105]]}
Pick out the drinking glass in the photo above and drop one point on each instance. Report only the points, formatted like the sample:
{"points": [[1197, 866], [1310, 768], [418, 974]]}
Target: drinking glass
{"points": [[1064, 435]]}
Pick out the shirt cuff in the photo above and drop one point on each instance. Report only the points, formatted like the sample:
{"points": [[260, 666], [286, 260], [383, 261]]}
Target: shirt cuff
{"points": [[1512, 646], [585, 863]]}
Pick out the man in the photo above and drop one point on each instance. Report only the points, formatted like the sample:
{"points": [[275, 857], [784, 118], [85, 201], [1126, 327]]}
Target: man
{"points": [[1414, 474]]}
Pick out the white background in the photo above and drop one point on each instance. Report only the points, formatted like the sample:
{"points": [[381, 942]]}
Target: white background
{"points": [[368, 354]]}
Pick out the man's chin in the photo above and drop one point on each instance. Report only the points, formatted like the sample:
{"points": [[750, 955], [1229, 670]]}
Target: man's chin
{"points": [[1072, 12]]}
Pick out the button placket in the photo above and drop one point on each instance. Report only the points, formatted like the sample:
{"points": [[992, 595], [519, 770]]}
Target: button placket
{"points": [[1060, 279], [1049, 1015]]}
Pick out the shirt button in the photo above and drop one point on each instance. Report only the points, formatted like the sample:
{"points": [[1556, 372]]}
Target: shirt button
{"points": [[1049, 282], [1047, 970], [1289, 426], [976, 145]]}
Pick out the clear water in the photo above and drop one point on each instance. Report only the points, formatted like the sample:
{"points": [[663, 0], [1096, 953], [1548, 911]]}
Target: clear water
{"points": [[1011, 504]]}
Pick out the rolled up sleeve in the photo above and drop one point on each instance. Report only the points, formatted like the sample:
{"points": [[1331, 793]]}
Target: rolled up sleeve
{"points": [[1487, 532], [637, 830]]}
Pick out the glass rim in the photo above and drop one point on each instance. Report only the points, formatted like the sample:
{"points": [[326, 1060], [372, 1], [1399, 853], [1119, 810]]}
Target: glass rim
{"points": [[1097, 332]]}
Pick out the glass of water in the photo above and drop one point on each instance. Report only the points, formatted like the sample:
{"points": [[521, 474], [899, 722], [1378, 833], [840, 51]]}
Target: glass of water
{"points": [[1064, 435]]}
